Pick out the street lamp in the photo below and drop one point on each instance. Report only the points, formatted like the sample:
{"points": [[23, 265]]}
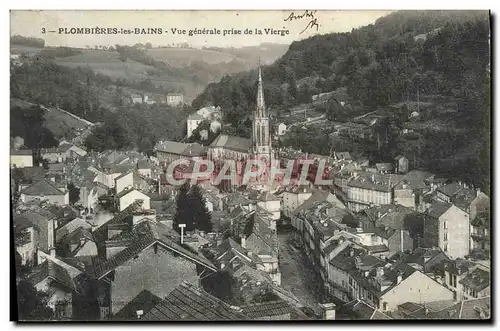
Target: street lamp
{"points": [[182, 226]]}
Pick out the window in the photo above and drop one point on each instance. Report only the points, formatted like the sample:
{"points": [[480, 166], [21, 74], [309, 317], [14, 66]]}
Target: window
{"points": [[445, 225], [384, 306], [454, 281], [445, 248], [445, 236]]}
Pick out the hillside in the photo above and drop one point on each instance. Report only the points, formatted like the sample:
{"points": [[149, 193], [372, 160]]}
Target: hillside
{"points": [[188, 70], [380, 66]]}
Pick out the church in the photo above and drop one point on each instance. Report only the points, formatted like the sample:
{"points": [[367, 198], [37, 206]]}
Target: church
{"points": [[226, 147]]}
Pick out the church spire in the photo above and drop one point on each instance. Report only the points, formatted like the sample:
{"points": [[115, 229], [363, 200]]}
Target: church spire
{"points": [[261, 105]]}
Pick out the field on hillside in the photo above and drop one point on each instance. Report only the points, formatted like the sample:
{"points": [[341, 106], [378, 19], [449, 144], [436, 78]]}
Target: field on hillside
{"points": [[179, 57], [24, 49], [60, 123]]}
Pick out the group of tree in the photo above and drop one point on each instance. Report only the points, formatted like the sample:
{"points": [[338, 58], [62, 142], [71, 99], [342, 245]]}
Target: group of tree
{"points": [[29, 123], [379, 65], [191, 209], [27, 41]]}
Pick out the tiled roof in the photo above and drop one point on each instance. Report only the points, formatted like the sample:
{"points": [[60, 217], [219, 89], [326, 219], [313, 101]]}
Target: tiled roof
{"points": [[144, 301], [32, 173], [127, 191], [266, 196], [415, 180], [54, 271], [42, 187], [195, 117], [189, 303], [364, 311], [468, 309], [142, 236], [238, 144], [463, 198], [143, 164], [477, 280], [174, 147], [271, 308]]}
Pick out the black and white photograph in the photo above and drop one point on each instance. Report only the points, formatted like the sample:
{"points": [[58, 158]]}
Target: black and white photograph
{"points": [[250, 165]]}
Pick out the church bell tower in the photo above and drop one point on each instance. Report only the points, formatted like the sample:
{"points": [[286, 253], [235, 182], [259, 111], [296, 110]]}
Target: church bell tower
{"points": [[261, 137]]}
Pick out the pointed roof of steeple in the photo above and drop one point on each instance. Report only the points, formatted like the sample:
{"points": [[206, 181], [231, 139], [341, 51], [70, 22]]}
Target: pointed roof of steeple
{"points": [[261, 106]]}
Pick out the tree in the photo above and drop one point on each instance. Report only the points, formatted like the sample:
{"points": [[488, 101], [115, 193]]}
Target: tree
{"points": [[74, 193], [192, 210], [182, 215]]}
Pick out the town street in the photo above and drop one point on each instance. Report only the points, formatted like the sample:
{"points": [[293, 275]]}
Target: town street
{"points": [[297, 274]]}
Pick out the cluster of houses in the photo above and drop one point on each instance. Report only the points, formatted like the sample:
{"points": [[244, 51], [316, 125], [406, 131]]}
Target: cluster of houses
{"points": [[171, 99], [388, 242], [112, 253], [211, 114]]}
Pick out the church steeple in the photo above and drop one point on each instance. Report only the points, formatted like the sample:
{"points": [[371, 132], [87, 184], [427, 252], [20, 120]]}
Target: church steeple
{"points": [[261, 137], [261, 104]]}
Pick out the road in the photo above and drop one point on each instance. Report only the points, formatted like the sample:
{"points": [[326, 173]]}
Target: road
{"points": [[297, 275]]}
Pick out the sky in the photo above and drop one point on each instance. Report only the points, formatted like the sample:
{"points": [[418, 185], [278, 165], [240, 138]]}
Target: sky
{"points": [[32, 23]]}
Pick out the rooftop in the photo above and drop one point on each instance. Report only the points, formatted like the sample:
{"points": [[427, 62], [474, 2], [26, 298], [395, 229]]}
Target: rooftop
{"points": [[190, 303], [42, 187], [234, 143]]}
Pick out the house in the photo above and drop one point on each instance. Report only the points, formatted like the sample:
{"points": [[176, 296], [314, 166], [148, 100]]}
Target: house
{"points": [[188, 302], [57, 154], [384, 168], [193, 121], [78, 243], [270, 203], [61, 282], [281, 129], [481, 232], [123, 182], [147, 257], [447, 227], [446, 192], [342, 156], [215, 126], [144, 168], [45, 190], [136, 98], [401, 164], [169, 151], [410, 190], [26, 238], [426, 260], [128, 196], [356, 275], [466, 279], [366, 189], [175, 99], [293, 197], [21, 158]]}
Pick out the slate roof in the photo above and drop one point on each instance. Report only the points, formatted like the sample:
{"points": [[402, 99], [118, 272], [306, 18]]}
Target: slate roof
{"points": [[438, 208], [415, 179], [70, 227], [174, 147], [450, 189], [383, 166], [142, 236], [189, 303], [266, 196], [376, 182], [463, 198], [42, 187], [195, 117], [32, 173], [234, 143], [143, 164], [477, 280], [343, 155], [271, 308], [127, 191], [21, 152]]}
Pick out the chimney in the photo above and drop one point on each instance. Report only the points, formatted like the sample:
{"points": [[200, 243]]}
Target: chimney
{"points": [[51, 237], [399, 279], [351, 252], [380, 272], [373, 178], [478, 191], [243, 242], [328, 311]]}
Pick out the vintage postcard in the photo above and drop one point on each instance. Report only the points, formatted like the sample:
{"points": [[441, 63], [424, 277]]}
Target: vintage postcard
{"points": [[250, 165]]}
